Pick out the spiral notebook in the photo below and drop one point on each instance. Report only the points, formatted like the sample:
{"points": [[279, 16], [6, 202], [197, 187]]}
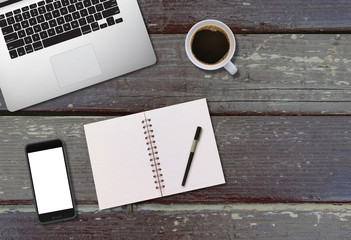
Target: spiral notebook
{"points": [[143, 156]]}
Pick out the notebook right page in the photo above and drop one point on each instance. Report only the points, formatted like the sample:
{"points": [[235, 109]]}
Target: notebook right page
{"points": [[174, 129]]}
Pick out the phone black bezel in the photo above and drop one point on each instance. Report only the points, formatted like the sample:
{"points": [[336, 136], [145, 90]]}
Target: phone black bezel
{"points": [[56, 216]]}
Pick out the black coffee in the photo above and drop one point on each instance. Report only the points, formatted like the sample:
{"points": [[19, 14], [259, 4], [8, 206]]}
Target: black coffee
{"points": [[210, 44]]}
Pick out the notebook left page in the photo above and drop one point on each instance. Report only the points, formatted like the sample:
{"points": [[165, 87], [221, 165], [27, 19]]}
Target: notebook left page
{"points": [[120, 162]]}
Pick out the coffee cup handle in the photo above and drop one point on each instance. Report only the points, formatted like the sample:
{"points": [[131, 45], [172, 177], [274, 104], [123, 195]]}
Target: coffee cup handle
{"points": [[230, 67]]}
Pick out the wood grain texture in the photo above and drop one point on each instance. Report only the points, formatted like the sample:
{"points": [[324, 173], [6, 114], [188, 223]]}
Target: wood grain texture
{"points": [[249, 16], [278, 75], [265, 159], [261, 222]]}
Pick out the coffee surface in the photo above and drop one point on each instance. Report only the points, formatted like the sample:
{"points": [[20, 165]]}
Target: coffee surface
{"points": [[210, 45]]}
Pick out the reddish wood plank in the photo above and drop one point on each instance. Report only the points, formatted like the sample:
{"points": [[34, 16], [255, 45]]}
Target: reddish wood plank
{"points": [[249, 16], [259, 222], [278, 75], [265, 159]]}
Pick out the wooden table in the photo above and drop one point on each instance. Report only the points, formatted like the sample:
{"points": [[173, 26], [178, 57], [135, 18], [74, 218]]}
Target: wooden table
{"points": [[282, 124]]}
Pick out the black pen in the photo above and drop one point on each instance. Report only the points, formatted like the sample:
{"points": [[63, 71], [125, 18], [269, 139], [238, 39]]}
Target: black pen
{"points": [[191, 155]]}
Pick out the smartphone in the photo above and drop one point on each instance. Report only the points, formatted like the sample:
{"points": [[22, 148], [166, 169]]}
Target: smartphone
{"points": [[52, 188]]}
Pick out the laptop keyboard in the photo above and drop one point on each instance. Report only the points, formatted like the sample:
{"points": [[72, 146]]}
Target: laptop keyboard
{"points": [[50, 22]]}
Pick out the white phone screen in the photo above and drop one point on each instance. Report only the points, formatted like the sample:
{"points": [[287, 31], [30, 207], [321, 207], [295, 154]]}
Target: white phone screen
{"points": [[50, 181]]}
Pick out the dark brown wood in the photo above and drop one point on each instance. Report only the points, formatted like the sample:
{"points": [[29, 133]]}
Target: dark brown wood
{"points": [[265, 159], [278, 75], [249, 16], [259, 222]]}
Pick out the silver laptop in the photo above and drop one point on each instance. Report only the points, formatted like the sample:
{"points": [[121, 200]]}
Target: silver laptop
{"points": [[52, 47]]}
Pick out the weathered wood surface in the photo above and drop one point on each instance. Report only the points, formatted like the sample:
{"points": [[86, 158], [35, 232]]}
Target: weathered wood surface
{"points": [[285, 74], [265, 159], [249, 16], [248, 221]]}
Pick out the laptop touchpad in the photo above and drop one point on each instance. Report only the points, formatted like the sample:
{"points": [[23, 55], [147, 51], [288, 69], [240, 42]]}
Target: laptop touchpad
{"points": [[75, 65]]}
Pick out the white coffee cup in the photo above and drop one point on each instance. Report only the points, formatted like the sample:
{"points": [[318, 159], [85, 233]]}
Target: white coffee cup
{"points": [[226, 61]]}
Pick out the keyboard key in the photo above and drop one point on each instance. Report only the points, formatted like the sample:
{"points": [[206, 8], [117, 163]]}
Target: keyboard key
{"points": [[13, 54], [110, 21], [21, 51], [2, 16], [17, 26], [67, 27], [15, 44], [3, 23], [74, 24], [87, 3], [110, 12], [63, 11], [7, 30], [99, 7], [104, 25], [33, 21], [17, 11], [49, 1], [71, 8], [56, 13], [35, 37], [110, 4], [25, 24], [9, 14], [48, 16], [29, 31], [60, 21], [51, 32], [65, 2], [82, 21], [41, 3], [33, 6], [94, 2], [34, 12], [45, 26], [59, 30], [26, 15], [97, 16], [95, 26], [26, 8], [29, 49], [86, 29], [62, 37], [37, 46], [40, 19], [75, 15], [53, 23], [57, 4], [90, 19], [91, 10], [21, 34], [84, 13], [49, 7], [37, 28], [28, 40], [10, 20], [68, 18], [43, 34], [11, 37], [18, 17], [42, 10]]}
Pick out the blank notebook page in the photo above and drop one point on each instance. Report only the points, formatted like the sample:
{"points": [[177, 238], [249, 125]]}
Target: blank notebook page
{"points": [[118, 156], [174, 129]]}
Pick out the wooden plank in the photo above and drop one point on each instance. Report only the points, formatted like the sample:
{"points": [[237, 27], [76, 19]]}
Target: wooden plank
{"points": [[278, 74], [265, 159], [249, 16], [261, 222]]}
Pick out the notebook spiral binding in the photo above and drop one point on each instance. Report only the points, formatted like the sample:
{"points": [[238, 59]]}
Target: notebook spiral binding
{"points": [[153, 154]]}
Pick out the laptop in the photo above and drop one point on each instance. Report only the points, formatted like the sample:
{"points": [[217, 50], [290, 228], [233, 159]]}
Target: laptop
{"points": [[53, 47]]}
